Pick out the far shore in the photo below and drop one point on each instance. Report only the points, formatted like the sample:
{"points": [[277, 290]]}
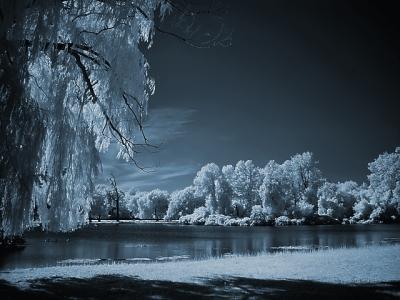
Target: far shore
{"points": [[177, 222], [134, 221]]}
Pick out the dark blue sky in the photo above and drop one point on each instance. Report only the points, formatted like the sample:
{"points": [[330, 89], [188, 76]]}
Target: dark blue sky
{"points": [[321, 76]]}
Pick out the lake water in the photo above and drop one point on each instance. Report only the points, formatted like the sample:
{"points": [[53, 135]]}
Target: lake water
{"points": [[107, 243]]}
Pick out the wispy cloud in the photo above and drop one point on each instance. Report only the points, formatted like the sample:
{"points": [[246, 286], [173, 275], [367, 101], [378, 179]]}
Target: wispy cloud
{"points": [[163, 126], [163, 176]]}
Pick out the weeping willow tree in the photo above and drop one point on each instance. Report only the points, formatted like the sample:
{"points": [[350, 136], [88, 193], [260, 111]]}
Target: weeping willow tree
{"points": [[72, 79]]}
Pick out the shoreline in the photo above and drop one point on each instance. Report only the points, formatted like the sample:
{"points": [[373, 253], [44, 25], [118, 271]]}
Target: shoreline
{"points": [[176, 222], [172, 222], [371, 264]]}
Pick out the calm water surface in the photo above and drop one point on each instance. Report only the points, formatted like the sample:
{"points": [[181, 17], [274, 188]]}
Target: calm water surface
{"points": [[162, 242]]}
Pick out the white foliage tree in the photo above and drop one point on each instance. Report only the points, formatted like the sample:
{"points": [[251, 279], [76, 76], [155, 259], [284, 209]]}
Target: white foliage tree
{"points": [[134, 200], [287, 190], [223, 192], [205, 185], [304, 179], [362, 210], [153, 204], [384, 185], [275, 190], [245, 180], [131, 202], [73, 79], [98, 207], [260, 215], [183, 202], [291, 188], [338, 199]]}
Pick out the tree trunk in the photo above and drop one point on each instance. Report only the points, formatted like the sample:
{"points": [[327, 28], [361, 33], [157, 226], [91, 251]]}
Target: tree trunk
{"points": [[117, 199]]}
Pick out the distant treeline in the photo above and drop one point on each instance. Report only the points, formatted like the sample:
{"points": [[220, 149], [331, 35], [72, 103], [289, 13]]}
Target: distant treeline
{"points": [[293, 192]]}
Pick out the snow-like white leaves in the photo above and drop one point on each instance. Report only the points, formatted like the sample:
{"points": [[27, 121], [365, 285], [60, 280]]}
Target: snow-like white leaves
{"points": [[183, 202], [337, 199], [89, 83], [293, 192]]}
